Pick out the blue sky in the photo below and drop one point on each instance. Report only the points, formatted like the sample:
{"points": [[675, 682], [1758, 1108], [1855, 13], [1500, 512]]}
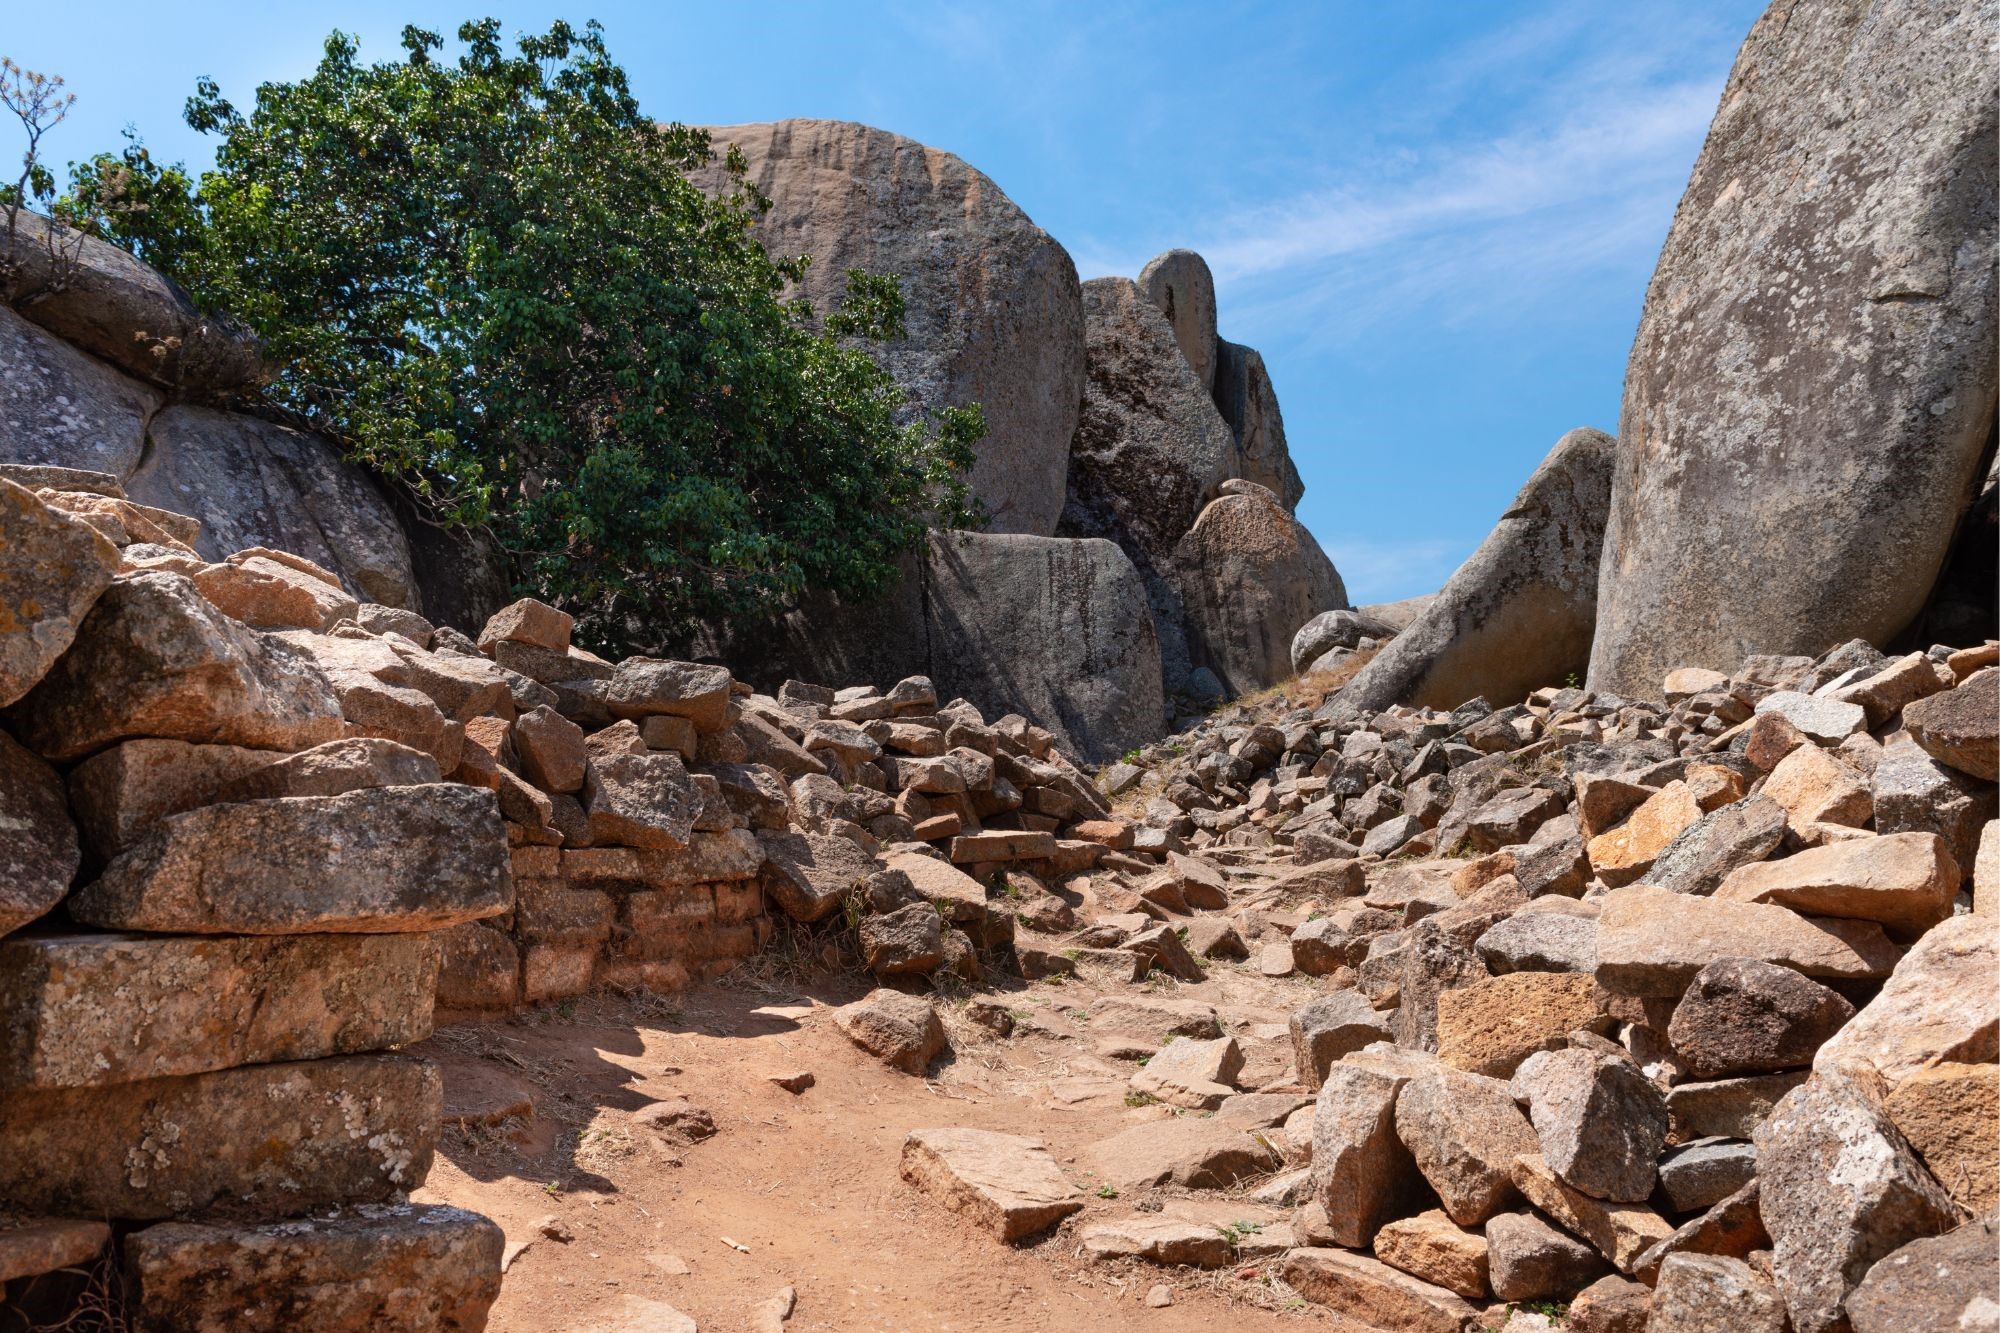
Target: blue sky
{"points": [[1436, 220]]}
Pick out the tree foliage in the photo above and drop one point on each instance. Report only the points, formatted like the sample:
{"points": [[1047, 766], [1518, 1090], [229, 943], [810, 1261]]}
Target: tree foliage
{"points": [[493, 278]]}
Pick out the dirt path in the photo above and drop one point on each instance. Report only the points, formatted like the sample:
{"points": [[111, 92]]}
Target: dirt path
{"points": [[807, 1184]]}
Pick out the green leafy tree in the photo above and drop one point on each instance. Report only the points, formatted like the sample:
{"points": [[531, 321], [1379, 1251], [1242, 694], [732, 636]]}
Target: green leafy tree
{"points": [[493, 279]]}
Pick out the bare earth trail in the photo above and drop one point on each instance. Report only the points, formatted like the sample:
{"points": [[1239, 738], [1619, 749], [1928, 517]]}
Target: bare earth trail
{"points": [[808, 1183]]}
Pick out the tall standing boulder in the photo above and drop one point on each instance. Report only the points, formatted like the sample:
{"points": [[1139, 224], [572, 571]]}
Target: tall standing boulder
{"points": [[1247, 401], [1179, 283], [1518, 614], [992, 306], [1813, 381], [1250, 576]]}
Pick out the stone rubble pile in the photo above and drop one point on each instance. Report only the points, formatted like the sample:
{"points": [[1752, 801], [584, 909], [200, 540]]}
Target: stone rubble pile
{"points": [[1691, 1006], [258, 825]]}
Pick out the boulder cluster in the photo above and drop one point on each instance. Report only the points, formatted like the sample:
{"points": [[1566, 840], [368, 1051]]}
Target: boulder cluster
{"points": [[1684, 1007]]}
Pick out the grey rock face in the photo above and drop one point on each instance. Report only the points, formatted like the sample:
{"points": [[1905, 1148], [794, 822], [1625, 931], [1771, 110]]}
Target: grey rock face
{"points": [[1529, 1259], [98, 297], [1250, 575], [1840, 1190], [1946, 1281], [61, 407], [1244, 396], [253, 483], [1331, 1026], [1335, 629], [1518, 614], [1703, 1173], [1179, 283], [1712, 1293], [992, 306], [1813, 379], [1600, 1121], [1701, 856]]}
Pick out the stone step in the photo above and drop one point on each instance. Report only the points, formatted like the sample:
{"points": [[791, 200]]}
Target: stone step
{"points": [[89, 1010]]}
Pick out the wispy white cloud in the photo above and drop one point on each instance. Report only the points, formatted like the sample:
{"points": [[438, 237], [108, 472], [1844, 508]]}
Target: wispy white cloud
{"points": [[1388, 571]]}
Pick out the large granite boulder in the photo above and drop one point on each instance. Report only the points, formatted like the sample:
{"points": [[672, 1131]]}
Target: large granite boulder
{"points": [[1179, 283], [1250, 576], [253, 483], [1244, 396], [95, 296], [53, 568], [58, 406], [1813, 381], [1519, 614], [991, 301]]}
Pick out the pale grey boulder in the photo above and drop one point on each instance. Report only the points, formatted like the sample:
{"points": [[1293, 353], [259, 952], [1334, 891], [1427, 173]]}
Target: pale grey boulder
{"points": [[59, 406], [1519, 614], [992, 307], [1179, 283], [255, 483], [1813, 381], [1340, 628], [98, 297], [1244, 396], [1250, 575]]}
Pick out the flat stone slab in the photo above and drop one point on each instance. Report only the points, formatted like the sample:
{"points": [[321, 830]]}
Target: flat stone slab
{"points": [[1620, 1231], [388, 860], [31, 1246], [1195, 1153], [87, 1010], [1005, 1182], [1653, 942], [256, 1143], [416, 1268], [1372, 1292]]}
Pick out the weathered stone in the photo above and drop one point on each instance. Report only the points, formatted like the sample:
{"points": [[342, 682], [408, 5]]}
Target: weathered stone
{"points": [[1625, 853], [1519, 613], [1192, 1152], [809, 874], [1708, 1293], [734, 854], [1652, 942], [254, 483], [1824, 721], [1703, 1173], [1816, 788], [1335, 629], [384, 860], [992, 303], [1249, 576], [1729, 1108], [60, 407], [154, 658], [1430, 1246], [1004, 1183], [645, 686], [1491, 1026], [1371, 1291], [1196, 1075], [1464, 1133], [52, 571], [1708, 475], [528, 621], [1706, 851], [1161, 1240], [1363, 1175], [639, 800], [1944, 1282], [1913, 793], [86, 1010], [32, 1246], [267, 594], [39, 856], [1326, 1029], [1740, 1015], [1961, 727], [427, 1268], [1621, 1232], [1556, 939], [1610, 1305], [909, 939], [479, 970], [261, 1141], [1732, 1227], [1940, 1004], [1529, 1259], [1840, 1190], [1950, 1113], [120, 792], [1179, 283], [553, 756], [1600, 1121], [332, 769], [1436, 957], [902, 1031], [1002, 845]]}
